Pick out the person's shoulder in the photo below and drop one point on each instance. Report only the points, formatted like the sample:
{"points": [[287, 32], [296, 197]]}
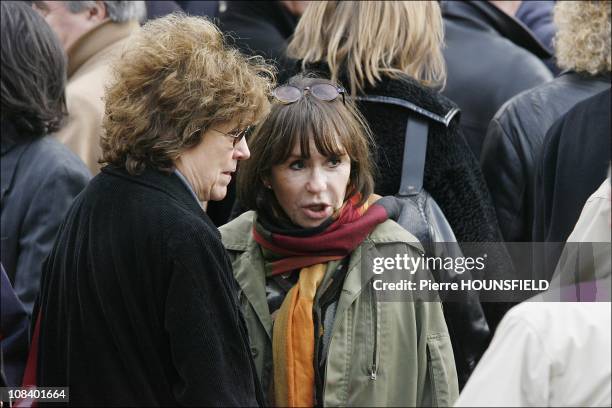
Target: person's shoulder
{"points": [[236, 234], [598, 104], [390, 232], [520, 64], [189, 235], [87, 86], [550, 317], [52, 159], [531, 98], [575, 120], [422, 99]]}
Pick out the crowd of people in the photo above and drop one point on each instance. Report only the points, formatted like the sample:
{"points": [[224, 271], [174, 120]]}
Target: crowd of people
{"points": [[191, 193]]}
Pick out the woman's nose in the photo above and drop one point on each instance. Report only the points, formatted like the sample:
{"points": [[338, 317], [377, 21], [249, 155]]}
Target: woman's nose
{"points": [[316, 183], [241, 150]]}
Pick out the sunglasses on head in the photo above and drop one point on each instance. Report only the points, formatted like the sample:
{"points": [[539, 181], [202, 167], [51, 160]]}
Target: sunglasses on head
{"points": [[324, 92]]}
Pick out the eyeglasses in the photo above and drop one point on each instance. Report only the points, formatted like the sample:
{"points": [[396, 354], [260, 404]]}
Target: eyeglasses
{"points": [[325, 92], [236, 135]]}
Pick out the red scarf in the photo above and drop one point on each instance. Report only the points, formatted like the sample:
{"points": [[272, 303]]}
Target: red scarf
{"points": [[285, 253], [309, 250]]}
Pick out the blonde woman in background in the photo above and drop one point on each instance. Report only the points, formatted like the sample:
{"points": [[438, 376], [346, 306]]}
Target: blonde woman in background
{"points": [[389, 56]]}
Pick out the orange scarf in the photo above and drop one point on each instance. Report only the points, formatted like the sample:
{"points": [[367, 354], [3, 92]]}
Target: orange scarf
{"points": [[293, 333]]}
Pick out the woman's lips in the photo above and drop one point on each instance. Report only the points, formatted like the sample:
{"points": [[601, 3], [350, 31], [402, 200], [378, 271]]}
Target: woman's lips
{"points": [[318, 211]]}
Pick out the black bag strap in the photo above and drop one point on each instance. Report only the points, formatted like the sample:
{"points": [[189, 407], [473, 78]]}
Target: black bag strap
{"points": [[415, 142], [415, 150]]}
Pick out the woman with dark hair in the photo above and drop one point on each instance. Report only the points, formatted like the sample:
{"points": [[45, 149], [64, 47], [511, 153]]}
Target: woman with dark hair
{"points": [[40, 177], [389, 54], [138, 303], [321, 331]]}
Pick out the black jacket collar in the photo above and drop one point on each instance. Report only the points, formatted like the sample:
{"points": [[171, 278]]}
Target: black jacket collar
{"points": [[166, 182], [406, 88], [485, 16]]}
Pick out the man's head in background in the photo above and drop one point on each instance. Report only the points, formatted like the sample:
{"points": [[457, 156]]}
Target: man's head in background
{"points": [[71, 20]]}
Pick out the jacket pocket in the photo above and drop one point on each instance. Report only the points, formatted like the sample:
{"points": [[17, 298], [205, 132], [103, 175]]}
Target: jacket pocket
{"points": [[441, 367]]}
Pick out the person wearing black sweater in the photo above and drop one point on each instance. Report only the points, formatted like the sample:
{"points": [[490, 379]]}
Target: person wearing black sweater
{"points": [[138, 303]]}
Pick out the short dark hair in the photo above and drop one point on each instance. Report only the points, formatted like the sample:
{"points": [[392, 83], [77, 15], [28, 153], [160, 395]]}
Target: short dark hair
{"points": [[33, 74], [335, 126]]}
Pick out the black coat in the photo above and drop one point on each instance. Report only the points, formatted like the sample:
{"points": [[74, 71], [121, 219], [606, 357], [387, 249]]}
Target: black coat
{"points": [[260, 28], [573, 164], [490, 57], [40, 178], [514, 142], [139, 303]]}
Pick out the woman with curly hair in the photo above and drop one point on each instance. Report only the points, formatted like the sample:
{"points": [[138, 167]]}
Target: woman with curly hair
{"points": [[138, 304]]}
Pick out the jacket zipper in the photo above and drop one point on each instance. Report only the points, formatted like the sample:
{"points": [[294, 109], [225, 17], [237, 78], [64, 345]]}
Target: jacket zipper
{"points": [[375, 325]]}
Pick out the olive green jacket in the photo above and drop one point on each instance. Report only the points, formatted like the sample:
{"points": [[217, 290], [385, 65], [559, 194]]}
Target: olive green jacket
{"points": [[380, 353]]}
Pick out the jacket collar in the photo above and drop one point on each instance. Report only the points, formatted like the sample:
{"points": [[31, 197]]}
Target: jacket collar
{"points": [[602, 77], [419, 98], [485, 16], [166, 182], [96, 40]]}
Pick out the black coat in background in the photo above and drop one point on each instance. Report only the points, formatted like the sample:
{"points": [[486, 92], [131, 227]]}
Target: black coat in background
{"points": [[39, 178], [258, 28], [513, 145], [490, 57], [138, 304], [160, 8], [574, 162]]}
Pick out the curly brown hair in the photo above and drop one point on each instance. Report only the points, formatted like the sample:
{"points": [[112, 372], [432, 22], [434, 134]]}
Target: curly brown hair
{"points": [[176, 79]]}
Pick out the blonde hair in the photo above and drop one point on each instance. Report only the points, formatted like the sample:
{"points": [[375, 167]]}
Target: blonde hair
{"points": [[176, 79], [369, 39], [582, 41]]}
